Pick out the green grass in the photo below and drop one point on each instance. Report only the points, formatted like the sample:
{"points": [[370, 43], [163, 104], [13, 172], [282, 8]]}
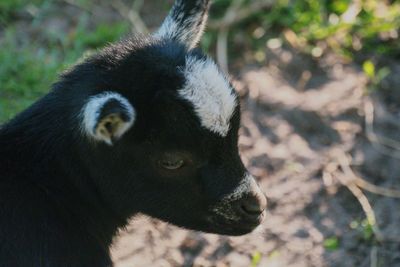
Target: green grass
{"points": [[10, 8], [26, 73], [28, 69]]}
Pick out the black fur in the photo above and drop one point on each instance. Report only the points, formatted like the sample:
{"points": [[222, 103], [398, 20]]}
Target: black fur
{"points": [[63, 197]]}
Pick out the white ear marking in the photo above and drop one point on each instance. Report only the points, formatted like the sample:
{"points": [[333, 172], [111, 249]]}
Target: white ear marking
{"points": [[185, 22], [210, 93], [111, 126]]}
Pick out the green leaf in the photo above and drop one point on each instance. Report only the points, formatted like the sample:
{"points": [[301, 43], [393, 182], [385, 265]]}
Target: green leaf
{"points": [[382, 73], [369, 69], [256, 258], [331, 243], [367, 230]]}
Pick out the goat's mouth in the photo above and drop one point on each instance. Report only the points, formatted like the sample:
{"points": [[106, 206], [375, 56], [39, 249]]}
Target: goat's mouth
{"points": [[239, 216], [234, 224], [240, 211], [228, 220]]}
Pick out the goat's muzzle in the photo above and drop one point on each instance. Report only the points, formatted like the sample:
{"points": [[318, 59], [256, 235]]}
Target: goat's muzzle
{"points": [[242, 211]]}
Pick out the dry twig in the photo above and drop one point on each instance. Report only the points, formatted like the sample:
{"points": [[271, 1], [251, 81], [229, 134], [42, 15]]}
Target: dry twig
{"points": [[360, 182], [381, 143], [354, 184], [345, 165], [241, 14], [222, 40], [374, 256], [387, 192], [132, 14], [78, 5], [222, 49], [366, 206], [234, 14]]}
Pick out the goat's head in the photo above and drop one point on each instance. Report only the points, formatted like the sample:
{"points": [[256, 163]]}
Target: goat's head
{"points": [[163, 121]]}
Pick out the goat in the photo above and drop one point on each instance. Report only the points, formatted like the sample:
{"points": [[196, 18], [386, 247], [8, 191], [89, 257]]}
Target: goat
{"points": [[148, 125]]}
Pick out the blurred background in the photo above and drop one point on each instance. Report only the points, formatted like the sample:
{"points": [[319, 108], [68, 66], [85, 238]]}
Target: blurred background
{"points": [[320, 89]]}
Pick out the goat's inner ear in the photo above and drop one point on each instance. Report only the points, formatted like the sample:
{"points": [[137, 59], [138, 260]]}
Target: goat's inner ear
{"points": [[110, 128], [107, 117]]}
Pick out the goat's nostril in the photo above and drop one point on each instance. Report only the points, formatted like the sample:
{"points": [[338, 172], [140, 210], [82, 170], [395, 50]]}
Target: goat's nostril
{"points": [[251, 209], [252, 206], [263, 201]]}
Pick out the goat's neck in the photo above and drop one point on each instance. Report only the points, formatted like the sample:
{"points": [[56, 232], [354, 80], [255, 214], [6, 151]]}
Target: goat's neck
{"points": [[53, 165]]}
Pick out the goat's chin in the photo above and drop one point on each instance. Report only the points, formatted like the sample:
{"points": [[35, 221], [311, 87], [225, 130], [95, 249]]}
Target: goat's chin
{"points": [[216, 224], [227, 226], [231, 232], [235, 230], [228, 230], [221, 227]]}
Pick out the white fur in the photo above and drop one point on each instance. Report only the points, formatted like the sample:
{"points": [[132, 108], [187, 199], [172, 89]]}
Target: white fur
{"points": [[168, 29], [186, 32], [210, 93], [225, 208], [91, 112], [243, 188]]}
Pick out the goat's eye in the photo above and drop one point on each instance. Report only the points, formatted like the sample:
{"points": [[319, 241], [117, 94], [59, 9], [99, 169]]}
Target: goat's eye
{"points": [[171, 164]]}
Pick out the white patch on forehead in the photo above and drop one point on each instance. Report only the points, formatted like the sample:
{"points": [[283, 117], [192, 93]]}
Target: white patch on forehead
{"points": [[210, 93], [92, 109]]}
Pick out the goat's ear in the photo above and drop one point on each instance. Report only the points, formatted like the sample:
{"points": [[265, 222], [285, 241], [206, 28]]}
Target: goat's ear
{"points": [[107, 116], [185, 22]]}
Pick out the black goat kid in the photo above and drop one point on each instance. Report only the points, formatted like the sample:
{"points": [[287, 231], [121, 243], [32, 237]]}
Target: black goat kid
{"points": [[148, 125]]}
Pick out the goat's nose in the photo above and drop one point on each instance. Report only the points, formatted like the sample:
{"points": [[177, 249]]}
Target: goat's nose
{"points": [[252, 205]]}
